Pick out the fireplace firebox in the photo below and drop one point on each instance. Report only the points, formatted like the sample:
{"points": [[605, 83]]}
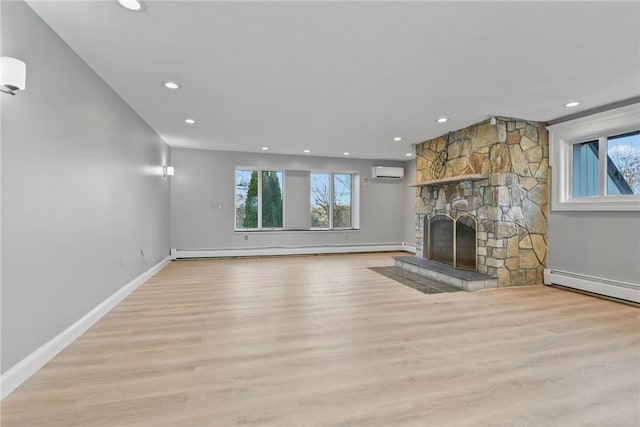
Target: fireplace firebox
{"points": [[451, 241]]}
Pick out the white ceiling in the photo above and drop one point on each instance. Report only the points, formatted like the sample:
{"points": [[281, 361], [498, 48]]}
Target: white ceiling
{"points": [[350, 76]]}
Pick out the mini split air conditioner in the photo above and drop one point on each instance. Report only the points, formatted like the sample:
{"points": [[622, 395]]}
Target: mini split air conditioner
{"points": [[387, 172]]}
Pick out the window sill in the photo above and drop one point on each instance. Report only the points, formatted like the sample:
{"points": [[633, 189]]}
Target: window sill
{"points": [[300, 230], [610, 203]]}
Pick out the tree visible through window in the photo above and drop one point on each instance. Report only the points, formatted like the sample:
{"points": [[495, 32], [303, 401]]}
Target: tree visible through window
{"points": [[341, 200], [623, 153], [331, 200], [271, 199], [320, 200], [255, 207]]}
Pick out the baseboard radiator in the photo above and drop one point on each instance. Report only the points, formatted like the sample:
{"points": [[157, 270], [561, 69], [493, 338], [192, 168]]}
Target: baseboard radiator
{"points": [[288, 250], [612, 288]]}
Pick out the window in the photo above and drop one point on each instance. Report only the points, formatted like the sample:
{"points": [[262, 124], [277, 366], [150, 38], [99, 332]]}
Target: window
{"points": [[621, 167], [585, 169], [595, 161], [623, 164], [341, 200], [331, 200], [259, 199], [320, 205]]}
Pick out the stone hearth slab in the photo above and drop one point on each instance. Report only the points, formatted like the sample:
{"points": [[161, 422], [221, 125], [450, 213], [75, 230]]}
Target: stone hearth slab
{"points": [[415, 281], [467, 280]]}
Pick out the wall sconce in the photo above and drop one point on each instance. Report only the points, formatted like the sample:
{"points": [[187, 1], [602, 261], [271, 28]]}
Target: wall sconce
{"points": [[167, 171], [13, 75]]}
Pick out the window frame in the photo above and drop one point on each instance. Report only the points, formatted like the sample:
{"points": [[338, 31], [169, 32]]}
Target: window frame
{"points": [[259, 172], [352, 201], [562, 138]]}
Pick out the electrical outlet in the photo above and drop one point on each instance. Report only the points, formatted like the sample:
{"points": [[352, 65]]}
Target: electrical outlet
{"points": [[246, 237]]}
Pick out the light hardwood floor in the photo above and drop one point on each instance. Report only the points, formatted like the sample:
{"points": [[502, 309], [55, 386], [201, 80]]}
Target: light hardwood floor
{"points": [[325, 341]]}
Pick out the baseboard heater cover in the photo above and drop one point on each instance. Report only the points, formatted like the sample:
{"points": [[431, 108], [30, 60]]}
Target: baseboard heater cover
{"points": [[612, 288], [288, 250]]}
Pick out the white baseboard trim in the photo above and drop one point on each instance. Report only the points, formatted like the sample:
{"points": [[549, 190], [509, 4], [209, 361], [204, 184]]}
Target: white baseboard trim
{"points": [[287, 250], [28, 366], [612, 288], [409, 248]]}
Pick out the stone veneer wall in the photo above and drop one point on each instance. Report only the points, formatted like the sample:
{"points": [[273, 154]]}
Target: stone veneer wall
{"points": [[511, 205]]}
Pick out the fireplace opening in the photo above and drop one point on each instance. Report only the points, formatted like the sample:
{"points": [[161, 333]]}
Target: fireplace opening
{"points": [[465, 243], [451, 241], [440, 230]]}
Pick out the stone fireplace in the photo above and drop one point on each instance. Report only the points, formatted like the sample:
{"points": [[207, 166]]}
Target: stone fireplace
{"points": [[482, 200]]}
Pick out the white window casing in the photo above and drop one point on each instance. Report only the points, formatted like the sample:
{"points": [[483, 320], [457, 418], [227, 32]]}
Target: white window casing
{"points": [[563, 136]]}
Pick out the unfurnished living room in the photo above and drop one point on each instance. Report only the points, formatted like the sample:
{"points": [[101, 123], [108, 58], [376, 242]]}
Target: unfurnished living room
{"points": [[301, 213]]}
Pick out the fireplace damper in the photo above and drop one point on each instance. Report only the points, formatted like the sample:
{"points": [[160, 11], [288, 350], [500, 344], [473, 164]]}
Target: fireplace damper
{"points": [[451, 241]]}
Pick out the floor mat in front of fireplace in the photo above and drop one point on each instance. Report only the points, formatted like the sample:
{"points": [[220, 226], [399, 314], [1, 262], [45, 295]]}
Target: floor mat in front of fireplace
{"points": [[415, 281]]}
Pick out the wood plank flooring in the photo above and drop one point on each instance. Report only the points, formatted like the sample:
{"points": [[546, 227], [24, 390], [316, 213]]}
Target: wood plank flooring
{"points": [[324, 341]]}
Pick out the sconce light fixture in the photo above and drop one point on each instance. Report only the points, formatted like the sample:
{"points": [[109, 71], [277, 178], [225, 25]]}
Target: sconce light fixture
{"points": [[167, 171], [13, 75]]}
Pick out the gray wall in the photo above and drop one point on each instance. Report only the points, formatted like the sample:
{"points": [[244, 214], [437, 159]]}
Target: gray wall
{"points": [[599, 244], [81, 194], [204, 180]]}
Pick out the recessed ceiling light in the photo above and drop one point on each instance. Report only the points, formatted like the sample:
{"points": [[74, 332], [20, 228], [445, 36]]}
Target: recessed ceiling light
{"points": [[409, 154], [572, 104], [346, 153], [307, 151], [397, 138], [171, 85], [442, 120], [133, 5], [189, 121], [265, 148]]}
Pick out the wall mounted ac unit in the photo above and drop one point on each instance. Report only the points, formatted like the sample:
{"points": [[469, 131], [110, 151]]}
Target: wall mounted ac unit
{"points": [[387, 172]]}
